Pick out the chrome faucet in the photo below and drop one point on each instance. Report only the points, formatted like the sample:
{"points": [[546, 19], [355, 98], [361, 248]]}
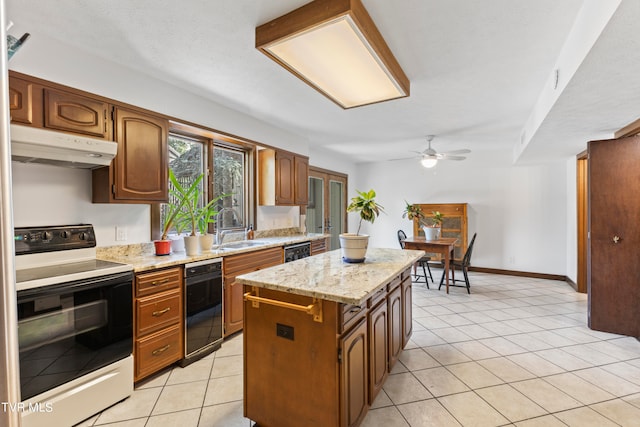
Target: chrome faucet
{"points": [[220, 232]]}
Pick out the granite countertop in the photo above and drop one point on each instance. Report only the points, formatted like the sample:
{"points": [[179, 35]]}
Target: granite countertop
{"points": [[143, 258], [327, 277]]}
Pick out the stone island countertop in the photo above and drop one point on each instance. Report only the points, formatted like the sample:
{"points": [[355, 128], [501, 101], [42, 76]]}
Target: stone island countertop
{"points": [[326, 276], [142, 256]]}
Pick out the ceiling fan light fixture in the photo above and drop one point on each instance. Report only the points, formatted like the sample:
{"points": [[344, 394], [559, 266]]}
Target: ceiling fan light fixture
{"points": [[428, 162], [334, 46]]}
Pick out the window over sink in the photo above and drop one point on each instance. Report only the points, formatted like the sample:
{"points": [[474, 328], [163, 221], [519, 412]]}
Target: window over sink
{"points": [[228, 168]]}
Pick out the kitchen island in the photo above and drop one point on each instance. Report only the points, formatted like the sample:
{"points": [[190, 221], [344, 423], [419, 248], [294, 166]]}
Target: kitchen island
{"points": [[321, 336]]}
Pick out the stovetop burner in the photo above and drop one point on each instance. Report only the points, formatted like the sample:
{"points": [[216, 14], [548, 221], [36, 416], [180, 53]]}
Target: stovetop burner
{"points": [[58, 254]]}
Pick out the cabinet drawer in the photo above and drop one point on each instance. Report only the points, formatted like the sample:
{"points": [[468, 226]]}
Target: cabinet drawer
{"points": [[158, 281], [157, 311], [318, 246], [378, 296], [351, 314], [235, 265], [157, 351]]}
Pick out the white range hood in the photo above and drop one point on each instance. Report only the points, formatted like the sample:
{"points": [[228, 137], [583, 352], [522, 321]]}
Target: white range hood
{"points": [[35, 145]]}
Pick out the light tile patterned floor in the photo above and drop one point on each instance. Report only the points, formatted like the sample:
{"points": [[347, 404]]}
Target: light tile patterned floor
{"points": [[516, 352]]}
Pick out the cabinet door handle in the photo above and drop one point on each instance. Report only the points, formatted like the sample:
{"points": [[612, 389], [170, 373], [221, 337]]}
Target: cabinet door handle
{"points": [[160, 312], [159, 282], [616, 239], [160, 350]]}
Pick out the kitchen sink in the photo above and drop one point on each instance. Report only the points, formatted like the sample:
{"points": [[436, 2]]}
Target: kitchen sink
{"points": [[241, 244]]}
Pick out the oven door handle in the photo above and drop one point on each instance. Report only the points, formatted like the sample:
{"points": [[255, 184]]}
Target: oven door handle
{"points": [[76, 285]]}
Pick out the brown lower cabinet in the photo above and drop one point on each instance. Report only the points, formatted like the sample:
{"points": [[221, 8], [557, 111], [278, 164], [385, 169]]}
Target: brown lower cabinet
{"points": [[302, 372], [158, 320], [236, 265]]}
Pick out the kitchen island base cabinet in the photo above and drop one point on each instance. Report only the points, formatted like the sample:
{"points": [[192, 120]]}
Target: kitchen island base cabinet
{"points": [[299, 371]]}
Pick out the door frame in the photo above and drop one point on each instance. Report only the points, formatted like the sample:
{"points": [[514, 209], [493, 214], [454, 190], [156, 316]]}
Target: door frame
{"points": [[327, 175], [582, 210]]}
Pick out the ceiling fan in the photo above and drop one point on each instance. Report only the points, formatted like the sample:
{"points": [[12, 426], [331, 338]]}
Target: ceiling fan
{"points": [[429, 157]]}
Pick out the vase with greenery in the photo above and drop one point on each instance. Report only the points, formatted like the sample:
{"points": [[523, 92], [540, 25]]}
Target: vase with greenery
{"points": [[207, 215], [354, 246], [433, 230], [187, 197]]}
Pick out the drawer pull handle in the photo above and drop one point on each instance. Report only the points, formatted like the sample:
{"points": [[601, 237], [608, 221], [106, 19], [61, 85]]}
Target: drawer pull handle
{"points": [[159, 282], [314, 309], [160, 312], [355, 309], [160, 350]]}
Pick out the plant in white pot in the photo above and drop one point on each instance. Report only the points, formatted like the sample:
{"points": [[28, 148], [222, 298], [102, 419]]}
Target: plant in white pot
{"points": [[189, 198], [432, 231], [207, 215], [354, 246]]}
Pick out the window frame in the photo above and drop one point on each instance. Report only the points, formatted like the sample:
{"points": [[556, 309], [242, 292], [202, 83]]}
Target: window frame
{"points": [[212, 139]]}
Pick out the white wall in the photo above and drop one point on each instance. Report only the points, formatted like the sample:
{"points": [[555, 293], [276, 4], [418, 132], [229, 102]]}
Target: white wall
{"points": [[519, 212]]}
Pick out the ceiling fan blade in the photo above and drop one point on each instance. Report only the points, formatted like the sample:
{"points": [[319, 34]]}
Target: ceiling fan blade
{"points": [[404, 158], [462, 151], [447, 157]]}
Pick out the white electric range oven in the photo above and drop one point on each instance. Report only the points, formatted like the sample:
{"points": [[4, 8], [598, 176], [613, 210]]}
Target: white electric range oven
{"points": [[75, 326]]}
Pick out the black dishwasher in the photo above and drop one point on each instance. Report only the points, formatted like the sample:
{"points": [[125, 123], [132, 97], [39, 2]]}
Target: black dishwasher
{"points": [[203, 309]]}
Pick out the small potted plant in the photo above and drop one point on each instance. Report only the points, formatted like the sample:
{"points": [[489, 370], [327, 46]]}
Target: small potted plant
{"points": [[163, 246], [207, 215], [354, 246], [432, 231], [188, 213]]}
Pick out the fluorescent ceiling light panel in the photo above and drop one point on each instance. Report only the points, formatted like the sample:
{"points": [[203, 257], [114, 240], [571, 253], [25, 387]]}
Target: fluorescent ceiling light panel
{"points": [[333, 55]]}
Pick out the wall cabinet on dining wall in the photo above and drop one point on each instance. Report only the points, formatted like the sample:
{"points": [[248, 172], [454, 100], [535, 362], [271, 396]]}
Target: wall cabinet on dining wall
{"points": [[283, 178]]}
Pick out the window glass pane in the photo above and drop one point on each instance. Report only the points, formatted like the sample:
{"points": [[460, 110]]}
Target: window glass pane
{"points": [[186, 161], [229, 178]]}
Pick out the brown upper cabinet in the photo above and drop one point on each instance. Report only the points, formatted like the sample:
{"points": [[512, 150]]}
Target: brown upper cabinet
{"points": [[69, 112], [283, 178], [22, 103], [138, 174]]}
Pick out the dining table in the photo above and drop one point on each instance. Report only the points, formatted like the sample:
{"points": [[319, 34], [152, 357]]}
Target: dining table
{"points": [[444, 246]]}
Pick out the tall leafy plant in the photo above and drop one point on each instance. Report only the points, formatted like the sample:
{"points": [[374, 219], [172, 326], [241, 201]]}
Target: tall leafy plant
{"points": [[180, 197], [364, 203]]}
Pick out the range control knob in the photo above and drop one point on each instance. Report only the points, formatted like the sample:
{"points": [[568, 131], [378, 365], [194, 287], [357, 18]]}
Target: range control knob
{"points": [[47, 235], [84, 236], [65, 234]]}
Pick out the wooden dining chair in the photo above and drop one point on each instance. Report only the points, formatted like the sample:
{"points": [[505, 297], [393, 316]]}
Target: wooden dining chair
{"points": [[424, 261], [463, 264]]}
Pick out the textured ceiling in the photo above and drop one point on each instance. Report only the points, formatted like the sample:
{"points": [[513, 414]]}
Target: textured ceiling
{"points": [[476, 67]]}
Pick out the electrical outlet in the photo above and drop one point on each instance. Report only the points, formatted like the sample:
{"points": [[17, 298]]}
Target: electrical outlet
{"points": [[121, 233]]}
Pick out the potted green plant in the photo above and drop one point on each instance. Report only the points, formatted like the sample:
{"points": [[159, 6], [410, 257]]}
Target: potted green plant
{"points": [[188, 199], [207, 215], [174, 210], [432, 231], [354, 246], [414, 213]]}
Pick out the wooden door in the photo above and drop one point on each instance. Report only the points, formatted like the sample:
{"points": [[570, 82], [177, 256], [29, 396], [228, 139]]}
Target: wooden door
{"points": [[353, 376], [141, 163], [614, 229], [407, 316], [301, 186], [285, 178], [21, 101], [378, 348], [75, 113], [395, 325]]}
